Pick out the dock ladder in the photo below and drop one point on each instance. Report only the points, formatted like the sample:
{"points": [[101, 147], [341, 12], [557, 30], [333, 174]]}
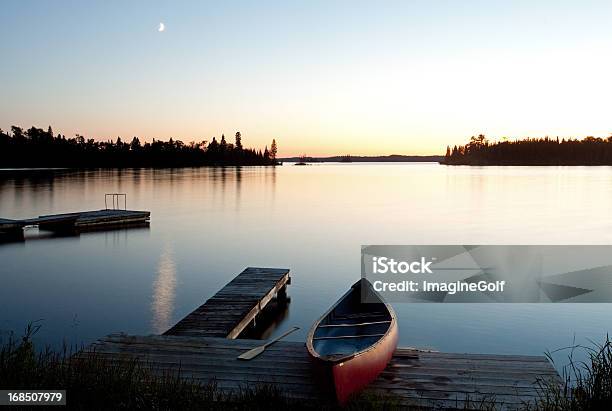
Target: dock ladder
{"points": [[115, 201]]}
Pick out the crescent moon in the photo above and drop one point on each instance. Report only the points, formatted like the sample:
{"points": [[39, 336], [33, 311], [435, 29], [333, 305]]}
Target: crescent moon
{"points": [[161, 27]]}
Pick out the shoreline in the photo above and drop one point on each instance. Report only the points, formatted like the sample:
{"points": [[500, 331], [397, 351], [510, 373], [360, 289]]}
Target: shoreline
{"points": [[442, 163]]}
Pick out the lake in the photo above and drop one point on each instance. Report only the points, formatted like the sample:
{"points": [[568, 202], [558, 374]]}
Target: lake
{"points": [[208, 224]]}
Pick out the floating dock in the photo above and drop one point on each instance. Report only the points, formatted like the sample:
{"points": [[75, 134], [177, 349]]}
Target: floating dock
{"points": [[8, 226], [413, 377], [82, 220]]}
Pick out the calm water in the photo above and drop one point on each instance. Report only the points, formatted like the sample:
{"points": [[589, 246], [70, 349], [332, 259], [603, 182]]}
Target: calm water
{"points": [[207, 224]]}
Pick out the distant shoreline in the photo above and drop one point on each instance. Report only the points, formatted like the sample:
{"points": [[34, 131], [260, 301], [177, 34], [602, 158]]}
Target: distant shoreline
{"points": [[393, 158], [520, 164]]}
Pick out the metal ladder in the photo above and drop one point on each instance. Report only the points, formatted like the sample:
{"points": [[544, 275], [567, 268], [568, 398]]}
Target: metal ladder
{"points": [[115, 201]]}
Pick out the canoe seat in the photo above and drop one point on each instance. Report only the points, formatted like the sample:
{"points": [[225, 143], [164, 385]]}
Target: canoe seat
{"points": [[339, 337], [355, 324], [366, 314]]}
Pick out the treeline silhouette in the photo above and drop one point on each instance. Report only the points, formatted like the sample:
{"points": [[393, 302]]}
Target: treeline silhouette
{"points": [[36, 147], [532, 151]]}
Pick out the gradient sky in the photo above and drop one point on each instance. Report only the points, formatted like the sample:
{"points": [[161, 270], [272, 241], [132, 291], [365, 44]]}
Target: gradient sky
{"points": [[321, 77]]}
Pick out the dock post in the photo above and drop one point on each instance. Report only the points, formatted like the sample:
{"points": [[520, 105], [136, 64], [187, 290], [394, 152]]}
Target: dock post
{"points": [[282, 293]]}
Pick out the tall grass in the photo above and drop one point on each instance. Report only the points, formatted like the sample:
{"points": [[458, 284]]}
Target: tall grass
{"points": [[93, 382], [586, 385]]}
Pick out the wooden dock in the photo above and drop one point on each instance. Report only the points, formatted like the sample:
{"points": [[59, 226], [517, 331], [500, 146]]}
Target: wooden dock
{"points": [[413, 377], [233, 308], [82, 220]]}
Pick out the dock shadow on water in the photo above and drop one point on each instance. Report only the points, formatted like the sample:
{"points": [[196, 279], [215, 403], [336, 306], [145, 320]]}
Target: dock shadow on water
{"points": [[269, 319], [37, 234]]}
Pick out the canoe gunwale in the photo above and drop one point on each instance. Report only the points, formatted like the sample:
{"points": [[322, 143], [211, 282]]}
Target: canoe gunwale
{"points": [[335, 359]]}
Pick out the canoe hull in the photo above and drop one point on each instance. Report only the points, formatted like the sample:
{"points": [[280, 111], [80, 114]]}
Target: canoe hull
{"points": [[353, 341], [353, 375]]}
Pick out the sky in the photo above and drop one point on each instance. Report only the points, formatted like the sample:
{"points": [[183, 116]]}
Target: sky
{"points": [[321, 77]]}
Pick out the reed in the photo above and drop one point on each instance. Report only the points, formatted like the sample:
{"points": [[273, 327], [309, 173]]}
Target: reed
{"points": [[586, 385]]}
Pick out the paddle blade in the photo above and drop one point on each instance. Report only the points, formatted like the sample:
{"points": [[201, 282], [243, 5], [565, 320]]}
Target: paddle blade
{"points": [[249, 355]]}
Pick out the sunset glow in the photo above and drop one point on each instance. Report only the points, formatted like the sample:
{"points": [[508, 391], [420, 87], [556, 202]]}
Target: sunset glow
{"points": [[323, 79]]}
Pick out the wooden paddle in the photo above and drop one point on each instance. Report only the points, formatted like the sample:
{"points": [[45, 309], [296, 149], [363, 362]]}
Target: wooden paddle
{"points": [[249, 355]]}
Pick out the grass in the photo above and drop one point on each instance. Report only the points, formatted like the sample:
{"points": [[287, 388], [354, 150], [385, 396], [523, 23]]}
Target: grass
{"points": [[587, 385], [93, 382]]}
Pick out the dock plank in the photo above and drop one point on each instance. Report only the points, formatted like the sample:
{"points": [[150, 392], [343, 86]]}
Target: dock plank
{"points": [[414, 376], [235, 306]]}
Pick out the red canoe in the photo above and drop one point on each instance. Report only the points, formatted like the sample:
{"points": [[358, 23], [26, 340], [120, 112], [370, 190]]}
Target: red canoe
{"points": [[353, 341]]}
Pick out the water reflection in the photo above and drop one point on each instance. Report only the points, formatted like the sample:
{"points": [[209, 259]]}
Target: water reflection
{"points": [[164, 290], [269, 320], [310, 219], [238, 171], [113, 235]]}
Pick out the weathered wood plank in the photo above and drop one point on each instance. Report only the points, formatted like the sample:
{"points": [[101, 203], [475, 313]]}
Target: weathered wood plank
{"points": [[413, 376], [235, 306], [442, 380]]}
